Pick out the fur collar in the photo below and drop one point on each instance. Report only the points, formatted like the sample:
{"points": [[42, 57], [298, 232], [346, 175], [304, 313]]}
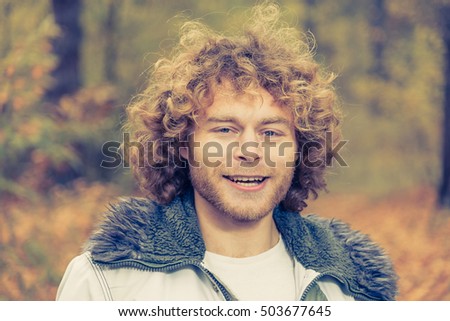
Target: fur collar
{"points": [[139, 229]]}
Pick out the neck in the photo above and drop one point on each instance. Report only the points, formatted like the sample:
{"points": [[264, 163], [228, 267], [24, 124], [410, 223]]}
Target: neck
{"points": [[230, 237]]}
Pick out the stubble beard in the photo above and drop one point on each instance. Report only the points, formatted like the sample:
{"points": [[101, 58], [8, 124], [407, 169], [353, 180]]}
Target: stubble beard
{"points": [[237, 205]]}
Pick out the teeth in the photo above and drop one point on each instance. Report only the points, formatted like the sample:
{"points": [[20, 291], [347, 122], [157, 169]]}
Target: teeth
{"points": [[246, 179], [247, 184]]}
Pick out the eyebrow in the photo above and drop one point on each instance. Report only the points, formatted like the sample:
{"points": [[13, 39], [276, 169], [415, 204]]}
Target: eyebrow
{"points": [[223, 119], [265, 121], [275, 120]]}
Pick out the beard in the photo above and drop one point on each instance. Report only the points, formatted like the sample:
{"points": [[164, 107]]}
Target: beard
{"points": [[238, 205]]}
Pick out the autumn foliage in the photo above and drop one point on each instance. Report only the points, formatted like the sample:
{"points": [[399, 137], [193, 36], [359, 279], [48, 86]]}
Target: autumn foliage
{"points": [[39, 239]]}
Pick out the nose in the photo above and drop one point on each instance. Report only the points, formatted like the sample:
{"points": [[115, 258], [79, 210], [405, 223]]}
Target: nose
{"points": [[249, 150]]}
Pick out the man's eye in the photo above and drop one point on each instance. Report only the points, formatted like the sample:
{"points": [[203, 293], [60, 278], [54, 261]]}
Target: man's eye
{"points": [[224, 130], [270, 133]]}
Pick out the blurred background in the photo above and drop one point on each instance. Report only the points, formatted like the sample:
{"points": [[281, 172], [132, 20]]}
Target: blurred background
{"points": [[69, 67]]}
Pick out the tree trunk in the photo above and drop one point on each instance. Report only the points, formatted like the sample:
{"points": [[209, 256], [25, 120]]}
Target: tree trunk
{"points": [[5, 23], [66, 47], [444, 190], [309, 22], [377, 17], [377, 71], [110, 32]]}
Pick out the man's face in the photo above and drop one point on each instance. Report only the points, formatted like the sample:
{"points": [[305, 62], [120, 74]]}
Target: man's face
{"points": [[242, 155]]}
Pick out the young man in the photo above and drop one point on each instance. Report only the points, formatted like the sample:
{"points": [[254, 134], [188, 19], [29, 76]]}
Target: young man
{"points": [[236, 130]]}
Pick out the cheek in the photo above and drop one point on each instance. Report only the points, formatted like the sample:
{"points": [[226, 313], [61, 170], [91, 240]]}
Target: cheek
{"points": [[208, 156], [285, 155], [286, 151], [213, 150]]}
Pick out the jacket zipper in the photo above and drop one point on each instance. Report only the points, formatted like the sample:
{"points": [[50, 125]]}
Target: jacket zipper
{"points": [[310, 285], [217, 285], [356, 295]]}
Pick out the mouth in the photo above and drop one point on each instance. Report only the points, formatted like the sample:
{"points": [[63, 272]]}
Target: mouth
{"points": [[247, 181]]}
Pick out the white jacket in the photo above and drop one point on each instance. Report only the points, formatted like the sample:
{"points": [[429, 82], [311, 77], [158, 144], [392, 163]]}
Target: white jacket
{"points": [[85, 280]]}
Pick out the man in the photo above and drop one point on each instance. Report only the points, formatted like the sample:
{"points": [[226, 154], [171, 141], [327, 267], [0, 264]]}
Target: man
{"points": [[236, 130]]}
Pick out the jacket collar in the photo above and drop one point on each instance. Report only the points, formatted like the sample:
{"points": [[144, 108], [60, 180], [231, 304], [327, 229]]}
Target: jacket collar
{"points": [[139, 229], [330, 247]]}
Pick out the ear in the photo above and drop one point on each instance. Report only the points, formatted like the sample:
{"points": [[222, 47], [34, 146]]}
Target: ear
{"points": [[183, 150]]}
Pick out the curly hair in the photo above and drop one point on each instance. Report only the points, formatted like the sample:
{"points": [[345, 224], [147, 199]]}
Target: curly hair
{"points": [[266, 53]]}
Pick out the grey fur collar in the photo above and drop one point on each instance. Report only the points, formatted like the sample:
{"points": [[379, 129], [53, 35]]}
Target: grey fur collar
{"points": [[141, 230]]}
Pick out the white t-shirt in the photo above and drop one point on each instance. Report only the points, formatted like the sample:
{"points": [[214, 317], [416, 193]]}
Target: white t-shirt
{"points": [[268, 276]]}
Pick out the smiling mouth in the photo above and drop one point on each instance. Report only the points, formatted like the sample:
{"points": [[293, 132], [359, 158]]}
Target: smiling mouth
{"points": [[247, 181]]}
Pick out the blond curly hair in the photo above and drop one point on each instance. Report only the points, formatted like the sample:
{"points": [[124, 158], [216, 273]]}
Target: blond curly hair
{"points": [[266, 53]]}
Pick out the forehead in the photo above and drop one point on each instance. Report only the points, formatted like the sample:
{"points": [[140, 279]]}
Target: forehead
{"points": [[252, 104]]}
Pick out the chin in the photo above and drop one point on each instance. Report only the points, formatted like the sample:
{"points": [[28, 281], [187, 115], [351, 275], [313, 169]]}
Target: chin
{"points": [[247, 215]]}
